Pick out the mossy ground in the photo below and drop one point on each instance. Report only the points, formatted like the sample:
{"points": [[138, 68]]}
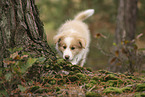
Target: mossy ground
{"points": [[44, 77]]}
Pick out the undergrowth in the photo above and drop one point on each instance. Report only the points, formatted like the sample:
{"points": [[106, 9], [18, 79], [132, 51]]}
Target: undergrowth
{"points": [[30, 74]]}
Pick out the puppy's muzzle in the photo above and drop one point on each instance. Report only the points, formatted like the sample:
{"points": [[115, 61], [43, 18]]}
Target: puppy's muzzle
{"points": [[67, 57]]}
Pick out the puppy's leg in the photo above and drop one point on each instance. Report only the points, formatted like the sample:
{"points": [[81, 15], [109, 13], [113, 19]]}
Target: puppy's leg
{"points": [[84, 57], [76, 60]]}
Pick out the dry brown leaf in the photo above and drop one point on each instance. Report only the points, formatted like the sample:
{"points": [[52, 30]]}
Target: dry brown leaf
{"points": [[98, 35], [113, 60], [117, 53]]}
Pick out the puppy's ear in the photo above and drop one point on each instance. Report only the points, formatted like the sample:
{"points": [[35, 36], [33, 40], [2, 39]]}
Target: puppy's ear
{"points": [[82, 43], [57, 38]]}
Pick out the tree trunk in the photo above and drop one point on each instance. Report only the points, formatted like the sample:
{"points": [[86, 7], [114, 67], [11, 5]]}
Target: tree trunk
{"points": [[126, 20], [125, 54], [20, 25]]}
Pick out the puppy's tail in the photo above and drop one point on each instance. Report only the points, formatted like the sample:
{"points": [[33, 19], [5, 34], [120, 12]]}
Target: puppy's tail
{"points": [[84, 15]]}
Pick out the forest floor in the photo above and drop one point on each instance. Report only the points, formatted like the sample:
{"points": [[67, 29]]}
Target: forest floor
{"points": [[30, 74]]}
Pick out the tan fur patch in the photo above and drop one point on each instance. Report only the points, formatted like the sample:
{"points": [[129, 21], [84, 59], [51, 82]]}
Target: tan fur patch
{"points": [[61, 44], [76, 46]]}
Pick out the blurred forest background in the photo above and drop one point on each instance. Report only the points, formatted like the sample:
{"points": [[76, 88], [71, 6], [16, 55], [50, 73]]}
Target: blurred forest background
{"points": [[55, 12]]}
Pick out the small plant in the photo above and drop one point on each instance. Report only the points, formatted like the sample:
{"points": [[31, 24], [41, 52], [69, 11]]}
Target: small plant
{"points": [[13, 73], [125, 56]]}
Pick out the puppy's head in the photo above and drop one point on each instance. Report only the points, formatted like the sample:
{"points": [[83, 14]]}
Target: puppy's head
{"points": [[69, 46]]}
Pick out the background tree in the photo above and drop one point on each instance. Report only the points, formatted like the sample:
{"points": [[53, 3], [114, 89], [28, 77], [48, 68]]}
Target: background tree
{"points": [[20, 25], [126, 20], [126, 55]]}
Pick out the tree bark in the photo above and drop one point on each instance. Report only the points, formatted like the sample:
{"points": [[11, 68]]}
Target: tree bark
{"points": [[126, 20], [124, 36], [20, 25]]}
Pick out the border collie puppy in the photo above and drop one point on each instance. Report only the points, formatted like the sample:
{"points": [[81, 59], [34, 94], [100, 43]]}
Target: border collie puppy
{"points": [[73, 38]]}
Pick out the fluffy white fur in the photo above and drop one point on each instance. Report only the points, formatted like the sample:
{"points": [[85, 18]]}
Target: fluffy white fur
{"points": [[73, 38]]}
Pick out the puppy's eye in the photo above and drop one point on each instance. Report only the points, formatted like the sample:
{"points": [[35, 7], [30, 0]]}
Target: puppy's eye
{"points": [[72, 48], [64, 47]]}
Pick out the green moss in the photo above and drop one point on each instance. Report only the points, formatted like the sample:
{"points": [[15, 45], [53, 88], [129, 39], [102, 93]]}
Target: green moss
{"points": [[96, 78], [34, 88], [122, 75], [126, 89], [77, 71], [71, 73], [93, 94], [128, 82], [46, 67], [89, 85], [103, 83], [140, 87], [57, 89], [52, 81], [42, 91], [82, 77], [142, 78], [73, 78], [61, 81], [112, 90], [89, 69], [67, 67], [139, 94], [112, 83], [61, 61], [120, 81], [57, 67], [58, 76], [142, 94], [130, 77], [110, 77], [48, 85], [104, 71], [75, 67], [93, 82]]}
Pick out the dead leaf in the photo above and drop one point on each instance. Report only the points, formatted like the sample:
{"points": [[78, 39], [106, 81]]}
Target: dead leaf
{"points": [[98, 35], [113, 60], [117, 53]]}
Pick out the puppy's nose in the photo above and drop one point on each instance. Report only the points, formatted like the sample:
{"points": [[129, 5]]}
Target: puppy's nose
{"points": [[67, 57]]}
